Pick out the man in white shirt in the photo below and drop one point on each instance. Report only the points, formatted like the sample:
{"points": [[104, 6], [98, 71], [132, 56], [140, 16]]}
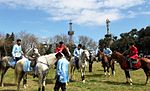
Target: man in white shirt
{"points": [[17, 50], [77, 52]]}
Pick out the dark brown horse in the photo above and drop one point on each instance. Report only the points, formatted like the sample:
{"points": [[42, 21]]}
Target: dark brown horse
{"points": [[107, 63], [142, 62]]}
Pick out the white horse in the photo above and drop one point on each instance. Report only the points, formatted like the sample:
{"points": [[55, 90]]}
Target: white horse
{"points": [[82, 64], [43, 65]]}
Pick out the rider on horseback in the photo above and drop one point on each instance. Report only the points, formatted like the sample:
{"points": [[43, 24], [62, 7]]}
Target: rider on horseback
{"points": [[59, 48], [107, 51], [17, 50], [77, 52], [133, 55]]}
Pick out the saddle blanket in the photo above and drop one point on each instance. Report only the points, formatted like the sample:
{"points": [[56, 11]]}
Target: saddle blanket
{"points": [[26, 65], [12, 63]]}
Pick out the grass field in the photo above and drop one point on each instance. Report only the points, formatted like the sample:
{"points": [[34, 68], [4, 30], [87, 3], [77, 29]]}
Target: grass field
{"points": [[95, 81]]}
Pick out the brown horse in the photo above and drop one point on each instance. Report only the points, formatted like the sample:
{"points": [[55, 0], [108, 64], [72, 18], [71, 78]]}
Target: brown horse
{"points": [[8, 62], [107, 63], [142, 62]]}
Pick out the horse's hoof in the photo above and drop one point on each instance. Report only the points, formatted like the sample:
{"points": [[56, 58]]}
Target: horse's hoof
{"points": [[83, 81], [105, 74], [108, 74], [114, 73], [24, 86], [2, 85], [131, 83]]}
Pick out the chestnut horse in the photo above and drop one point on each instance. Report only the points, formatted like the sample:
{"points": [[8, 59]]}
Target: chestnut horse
{"points": [[142, 62], [107, 63]]}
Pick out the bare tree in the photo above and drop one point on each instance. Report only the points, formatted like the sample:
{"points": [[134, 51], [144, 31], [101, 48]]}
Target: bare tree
{"points": [[28, 40], [87, 42], [64, 38]]}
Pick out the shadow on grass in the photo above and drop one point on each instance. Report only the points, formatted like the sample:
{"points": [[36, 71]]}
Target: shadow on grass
{"points": [[8, 90], [48, 81], [122, 83], [95, 75], [9, 84]]}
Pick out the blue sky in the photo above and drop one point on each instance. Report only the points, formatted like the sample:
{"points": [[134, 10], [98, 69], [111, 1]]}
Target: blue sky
{"points": [[47, 18]]}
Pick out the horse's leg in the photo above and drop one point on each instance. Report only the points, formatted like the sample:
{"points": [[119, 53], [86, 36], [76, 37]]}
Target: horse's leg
{"points": [[4, 70], [20, 76], [108, 70], [104, 69], [147, 76], [113, 68], [25, 80], [43, 85], [83, 74], [40, 76], [129, 80]]}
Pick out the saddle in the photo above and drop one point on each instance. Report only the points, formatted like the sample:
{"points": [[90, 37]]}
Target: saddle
{"points": [[77, 62], [136, 64]]}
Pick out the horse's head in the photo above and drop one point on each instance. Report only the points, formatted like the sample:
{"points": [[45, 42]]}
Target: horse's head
{"points": [[85, 55], [101, 54], [36, 52], [32, 55], [118, 56], [66, 53]]}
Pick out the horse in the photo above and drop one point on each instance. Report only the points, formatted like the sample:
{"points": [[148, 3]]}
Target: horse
{"points": [[107, 63], [142, 62], [82, 65], [8, 62], [43, 64]]}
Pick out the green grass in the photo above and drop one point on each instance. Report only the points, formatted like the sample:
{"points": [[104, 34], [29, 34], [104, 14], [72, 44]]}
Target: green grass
{"points": [[95, 81]]}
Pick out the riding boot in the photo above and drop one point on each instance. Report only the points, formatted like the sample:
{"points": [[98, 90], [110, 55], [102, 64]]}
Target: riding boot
{"points": [[130, 64], [77, 62]]}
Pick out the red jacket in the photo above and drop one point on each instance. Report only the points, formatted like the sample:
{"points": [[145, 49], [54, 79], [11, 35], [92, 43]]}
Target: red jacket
{"points": [[59, 48], [133, 53]]}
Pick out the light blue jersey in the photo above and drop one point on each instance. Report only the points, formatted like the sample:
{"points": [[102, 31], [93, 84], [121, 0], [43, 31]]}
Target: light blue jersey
{"points": [[107, 51], [77, 52], [62, 70], [17, 51]]}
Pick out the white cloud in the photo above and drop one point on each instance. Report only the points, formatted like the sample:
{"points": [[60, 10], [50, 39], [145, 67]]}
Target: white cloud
{"points": [[87, 12]]}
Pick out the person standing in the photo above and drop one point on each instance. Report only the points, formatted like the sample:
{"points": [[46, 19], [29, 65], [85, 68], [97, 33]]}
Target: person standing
{"points": [[17, 50], [61, 73]]}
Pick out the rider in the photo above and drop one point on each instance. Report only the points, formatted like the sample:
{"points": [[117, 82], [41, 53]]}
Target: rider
{"points": [[107, 51], [77, 52], [59, 48], [61, 72], [17, 50], [133, 55]]}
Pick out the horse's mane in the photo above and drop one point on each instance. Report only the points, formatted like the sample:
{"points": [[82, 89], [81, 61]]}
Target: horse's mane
{"points": [[119, 55], [50, 58]]}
